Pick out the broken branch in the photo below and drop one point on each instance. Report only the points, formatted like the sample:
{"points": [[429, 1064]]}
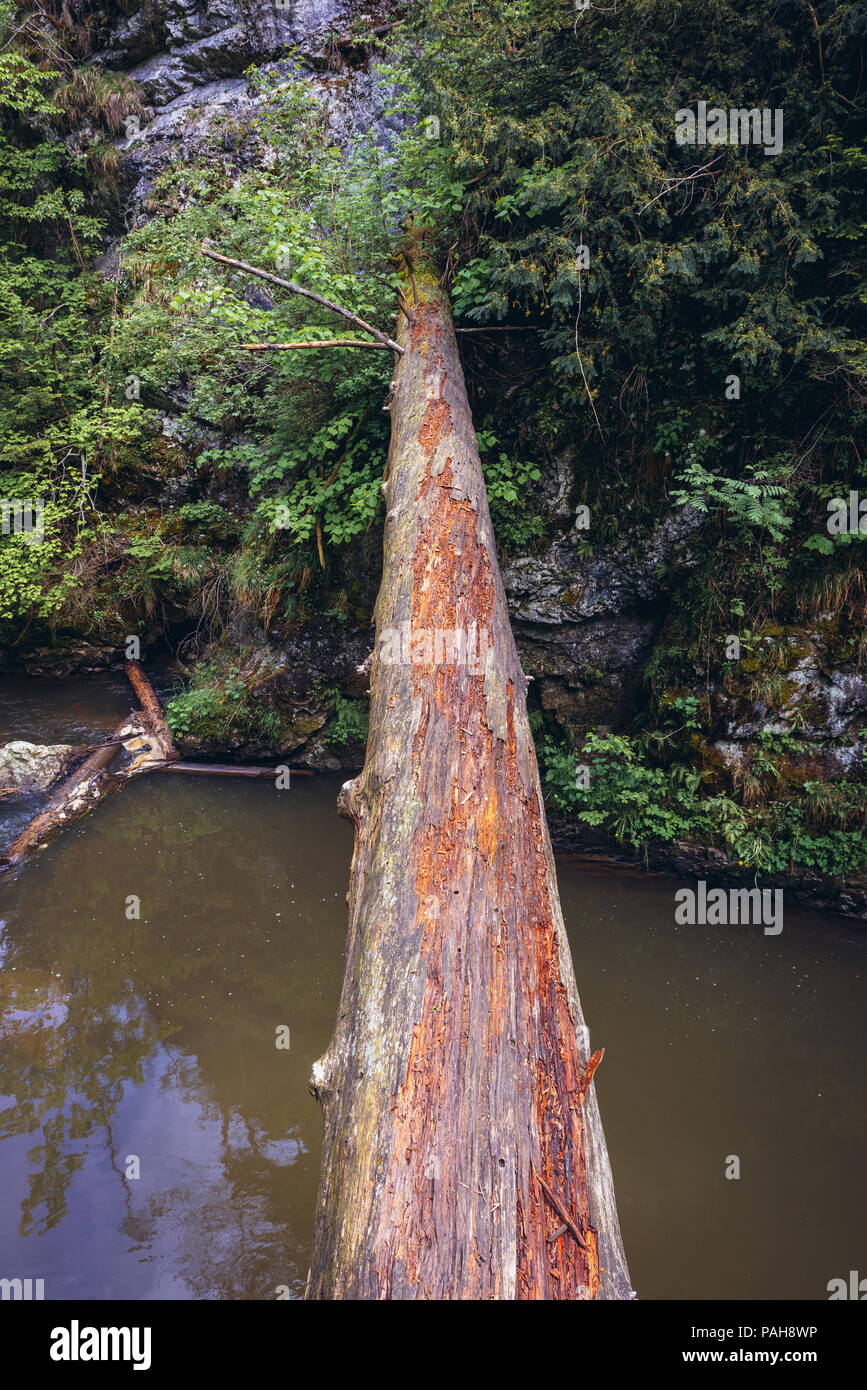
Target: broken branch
{"points": [[560, 1210], [306, 294], [145, 734], [320, 343]]}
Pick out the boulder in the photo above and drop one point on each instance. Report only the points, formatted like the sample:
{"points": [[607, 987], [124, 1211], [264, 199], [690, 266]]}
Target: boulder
{"points": [[26, 768]]}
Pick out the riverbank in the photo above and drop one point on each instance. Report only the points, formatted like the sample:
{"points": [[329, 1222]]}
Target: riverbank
{"points": [[84, 707]]}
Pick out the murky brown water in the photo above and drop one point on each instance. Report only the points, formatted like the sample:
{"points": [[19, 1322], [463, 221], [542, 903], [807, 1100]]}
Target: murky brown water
{"points": [[78, 710], [156, 1039]]}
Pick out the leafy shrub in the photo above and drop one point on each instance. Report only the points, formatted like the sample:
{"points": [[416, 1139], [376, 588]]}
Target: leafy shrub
{"points": [[350, 724], [636, 802]]}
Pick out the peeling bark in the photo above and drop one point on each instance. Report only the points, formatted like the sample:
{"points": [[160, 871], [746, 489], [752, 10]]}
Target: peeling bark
{"points": [[464, 1156]]}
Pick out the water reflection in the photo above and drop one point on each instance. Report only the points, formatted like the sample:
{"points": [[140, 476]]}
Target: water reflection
{"points": [[155, 1038]]}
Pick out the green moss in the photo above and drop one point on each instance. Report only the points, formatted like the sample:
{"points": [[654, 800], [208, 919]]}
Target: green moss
{"points": [[298, 729], [224, 702]]}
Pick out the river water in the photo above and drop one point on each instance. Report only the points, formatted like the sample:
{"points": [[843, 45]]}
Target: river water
{"points": [[156, 1143]]}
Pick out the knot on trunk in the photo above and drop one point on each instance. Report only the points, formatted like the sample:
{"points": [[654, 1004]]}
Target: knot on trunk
{"points": [[349, 801], [320, 1078]]}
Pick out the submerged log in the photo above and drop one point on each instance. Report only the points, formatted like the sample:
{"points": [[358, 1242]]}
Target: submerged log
{"points": [[464, 1156], [232, 770], [145, 735]]}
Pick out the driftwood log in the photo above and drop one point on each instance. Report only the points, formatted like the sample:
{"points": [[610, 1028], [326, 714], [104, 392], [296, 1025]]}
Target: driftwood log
{"points": [[145, 735], [464, 1156], [233, 770]]}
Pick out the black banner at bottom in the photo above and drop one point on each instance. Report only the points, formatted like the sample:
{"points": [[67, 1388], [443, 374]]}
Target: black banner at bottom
{"points": [[60, 1340]]}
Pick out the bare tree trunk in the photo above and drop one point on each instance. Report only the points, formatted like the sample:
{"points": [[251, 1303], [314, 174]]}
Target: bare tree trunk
{"points": [[464, 1154]]}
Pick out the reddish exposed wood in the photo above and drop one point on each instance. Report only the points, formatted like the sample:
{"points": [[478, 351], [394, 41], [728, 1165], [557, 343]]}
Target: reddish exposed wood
{"points": [[460, 1057], [588, 1073], [569, 1221]]}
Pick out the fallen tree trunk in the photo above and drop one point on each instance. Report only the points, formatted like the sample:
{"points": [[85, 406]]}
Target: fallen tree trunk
{"points": [[464, 1156], [71, 800], [146, 735], [151, 707]]}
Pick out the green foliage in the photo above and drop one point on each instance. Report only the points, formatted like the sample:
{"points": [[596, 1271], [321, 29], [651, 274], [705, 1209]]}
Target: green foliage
{"points": [[306, 430], [58, 434], [305, 427], [625, 795], [350, 724], [753, 502], [509, 486], [193, 711], [223, 701], [654, 273], [207, 519], [555, 141], [637, 802]]}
